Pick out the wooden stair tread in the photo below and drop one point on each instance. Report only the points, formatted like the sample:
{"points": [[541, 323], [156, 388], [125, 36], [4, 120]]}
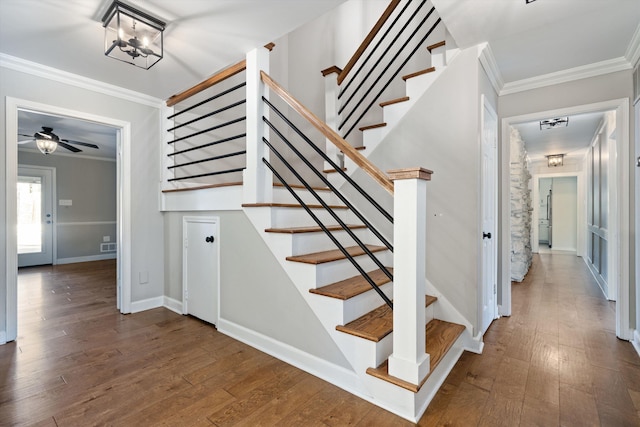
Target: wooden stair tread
{"points": [[297, 230], [288, 205], [436, 45], [394, 101], [419, 73], [376, 324], [333, 170], [332, 255], [377, 125], [349, 288], [440, 336], [300, 186]]}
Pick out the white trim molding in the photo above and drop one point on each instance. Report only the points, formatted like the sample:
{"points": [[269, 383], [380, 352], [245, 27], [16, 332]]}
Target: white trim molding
{"points": [[147, 304], [490, 65], [635, 341], [39, 70], [173, 305], [633, 50], [88, 258], [563, 76]]}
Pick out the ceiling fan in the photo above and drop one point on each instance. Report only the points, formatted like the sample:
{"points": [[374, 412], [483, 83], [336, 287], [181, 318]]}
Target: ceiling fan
{"points": [[47, 141]]}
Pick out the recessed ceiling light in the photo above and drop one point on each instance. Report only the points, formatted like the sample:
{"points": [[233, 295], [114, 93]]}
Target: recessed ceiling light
{"points": [[554, 123]]}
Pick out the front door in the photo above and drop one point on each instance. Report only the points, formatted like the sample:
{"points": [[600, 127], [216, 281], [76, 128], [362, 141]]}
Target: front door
{"points": [[489, 148], [35, 216]]}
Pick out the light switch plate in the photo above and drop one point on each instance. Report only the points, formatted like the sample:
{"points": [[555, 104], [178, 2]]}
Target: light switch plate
{"points": [[64, 202]]}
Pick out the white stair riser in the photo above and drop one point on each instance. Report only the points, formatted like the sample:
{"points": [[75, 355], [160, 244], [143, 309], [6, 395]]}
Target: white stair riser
{"points": [[394, 112], [332, 272], [304, 243], [419, 84], [439, 57], [297, 217], [282, 195], [362, 304]]}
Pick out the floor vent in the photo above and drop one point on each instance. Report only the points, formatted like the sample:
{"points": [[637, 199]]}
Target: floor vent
{"points": [[108, 247]]}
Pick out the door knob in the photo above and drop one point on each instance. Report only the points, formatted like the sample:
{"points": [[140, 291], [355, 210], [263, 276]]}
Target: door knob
{"points": [[209, 239], [486, 235]]}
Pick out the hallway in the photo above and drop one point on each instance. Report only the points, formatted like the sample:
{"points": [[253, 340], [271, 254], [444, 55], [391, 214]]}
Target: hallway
{"points": [[78, 362], [555, 361]]}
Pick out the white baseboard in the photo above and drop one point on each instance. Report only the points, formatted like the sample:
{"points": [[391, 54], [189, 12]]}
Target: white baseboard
{"points": [[173, 305], [146, 304], [334, 374], [100, 257], [636, 341], [3, 337]]}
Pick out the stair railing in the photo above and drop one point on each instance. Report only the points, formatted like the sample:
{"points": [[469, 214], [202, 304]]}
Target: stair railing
{"points": [[288, 126], [206, 138], [387, 49]]}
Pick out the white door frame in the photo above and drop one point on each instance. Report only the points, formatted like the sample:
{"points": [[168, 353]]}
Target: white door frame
{"points": [[486, 106], [123, 197], [185, 223], [581, 249], [54, 211], [621, 106]]}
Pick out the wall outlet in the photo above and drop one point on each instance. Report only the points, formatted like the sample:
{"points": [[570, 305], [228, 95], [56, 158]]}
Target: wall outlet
{"points": [[65, 202], [144, 277], [106, 238]]}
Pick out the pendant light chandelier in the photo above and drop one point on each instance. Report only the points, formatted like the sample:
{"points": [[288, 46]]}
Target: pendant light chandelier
{"points": [[132, 36]]}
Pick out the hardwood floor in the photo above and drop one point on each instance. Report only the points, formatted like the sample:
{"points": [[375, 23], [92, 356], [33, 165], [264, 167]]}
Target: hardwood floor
{"points": [[78, 362]]}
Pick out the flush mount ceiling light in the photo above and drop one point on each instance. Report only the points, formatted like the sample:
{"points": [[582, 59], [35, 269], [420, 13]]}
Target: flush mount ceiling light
{"points": [[554, 123], [132, 36], [554, 160]]}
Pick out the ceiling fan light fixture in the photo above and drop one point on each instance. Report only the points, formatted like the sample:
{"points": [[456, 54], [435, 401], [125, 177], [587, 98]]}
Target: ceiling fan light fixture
{"points": [[46, 145], [132, 36]]}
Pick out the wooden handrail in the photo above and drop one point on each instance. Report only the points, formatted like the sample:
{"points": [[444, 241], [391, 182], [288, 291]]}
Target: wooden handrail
{"points": [[367, 41], [215, 79], [361, 161]]}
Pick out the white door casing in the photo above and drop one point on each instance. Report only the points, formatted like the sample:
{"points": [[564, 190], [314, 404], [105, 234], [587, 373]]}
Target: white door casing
{"points": [[489, 188], [200, 268], [46, 179]]}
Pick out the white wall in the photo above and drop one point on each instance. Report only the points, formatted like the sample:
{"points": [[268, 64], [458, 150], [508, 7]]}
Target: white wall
{"points": [[565, 213], [146, 221]]}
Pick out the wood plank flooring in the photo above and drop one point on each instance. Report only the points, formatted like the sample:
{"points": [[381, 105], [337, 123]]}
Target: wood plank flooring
{"points": [[78, 362]]}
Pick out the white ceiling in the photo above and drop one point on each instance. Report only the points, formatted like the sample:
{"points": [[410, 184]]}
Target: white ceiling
{"points": [[204, 36], [572, 140]]}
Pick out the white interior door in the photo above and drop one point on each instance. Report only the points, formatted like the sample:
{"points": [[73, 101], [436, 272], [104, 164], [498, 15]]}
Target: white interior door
{"points": [[35, 216], [201, 268], [489, 149]]}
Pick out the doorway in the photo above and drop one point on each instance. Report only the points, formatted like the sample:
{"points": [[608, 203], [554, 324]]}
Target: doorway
{"points": [[619, 214], [35, 195], [13, 106]]}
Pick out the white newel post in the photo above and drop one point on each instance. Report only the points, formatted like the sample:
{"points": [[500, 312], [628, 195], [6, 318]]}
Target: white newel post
{"points": [[331, 90], [258, 180], [409, 360]]}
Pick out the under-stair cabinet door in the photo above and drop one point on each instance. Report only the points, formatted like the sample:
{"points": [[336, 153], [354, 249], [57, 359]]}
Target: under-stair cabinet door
{"points": [[200, 268]]}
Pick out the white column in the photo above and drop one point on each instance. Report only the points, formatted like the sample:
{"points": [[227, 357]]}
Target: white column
{"points": [[257, 178], [331, 90], [409, 360]]}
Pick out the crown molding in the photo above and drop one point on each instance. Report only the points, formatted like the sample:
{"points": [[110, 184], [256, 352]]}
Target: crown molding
{"points": [[50, 73], [571, 74], [488, 61], [633, 50]]}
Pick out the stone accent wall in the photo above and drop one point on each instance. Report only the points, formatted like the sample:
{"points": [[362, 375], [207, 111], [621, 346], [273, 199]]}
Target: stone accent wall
{"points": [[521, 209]]}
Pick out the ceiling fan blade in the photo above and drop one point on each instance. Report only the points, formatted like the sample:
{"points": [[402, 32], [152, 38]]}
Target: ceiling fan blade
{"points": [[26, 141], [69, 147], [85, 144], [23, 134]]}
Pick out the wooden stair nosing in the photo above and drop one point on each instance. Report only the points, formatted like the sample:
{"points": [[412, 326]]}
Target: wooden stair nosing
{"points": [[419, 73], [353, 286], [316, 229], [440, 337], [289, 205], [333, 255], [377, 125], [394, 101], [300, 186], [376, 324], [333, 170], [436, 45]]}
